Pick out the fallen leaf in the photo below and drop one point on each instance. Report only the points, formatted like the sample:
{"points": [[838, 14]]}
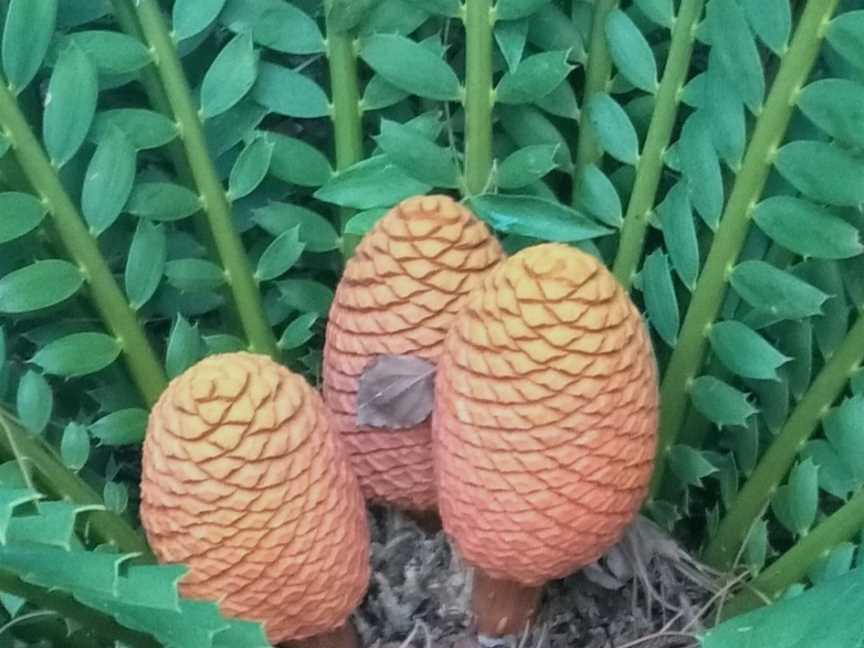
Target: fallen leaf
{"points": [[395, 392]]}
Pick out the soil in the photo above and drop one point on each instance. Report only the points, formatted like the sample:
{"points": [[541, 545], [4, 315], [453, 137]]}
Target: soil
{"points": [[647, 592]]}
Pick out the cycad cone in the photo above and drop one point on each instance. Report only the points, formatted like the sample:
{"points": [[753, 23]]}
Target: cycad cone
{"points": [[545, 417], [244, 481], [398, 296]]}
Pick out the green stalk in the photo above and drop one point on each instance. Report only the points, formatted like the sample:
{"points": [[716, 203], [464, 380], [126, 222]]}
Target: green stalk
{"points": [[238, 271], [598, 68], [792, 566], [749, 181], [479, 19], [120, 319], [804, 419], [650, 165]]}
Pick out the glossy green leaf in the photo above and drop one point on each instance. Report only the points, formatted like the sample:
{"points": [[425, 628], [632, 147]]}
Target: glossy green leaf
{"points": [[535, 217], [661, 302], [21, 214], [526, 165], [280, 255], [75, 446], [69, 105], [228, 129], [306, 295], [374, 182], [380, 94], [551, 29], [598, 196], [185, 347], [747, 445], [162, 201], [720, 403], [771, 20], [230, 77], [250, 168], [528, 126], [511, 36], [315, 231], [394, 17], [613, 128], [116, 496], [736, 49], [79, 354], [837, 107], [39, 285], [191, 17], [146, 263], [630, 52], [289, 93], [823, 172], [661, 12], [726, 119], [108, 182], [123, 427], [514, 9], [299, 331], [701, 168], [843, 428], [361, 222], [534, 77], [846, 35], [832, 326], [560, 102], [679, 233], [807, 229], [194, 275], [410, 66], [297, 162], [689, 465], [744, 352], [285, 28], [796, 503], [417, 156], [776, 291], [834, 475], [34, 402], [26, 37], [111, 52], [145, 129]]}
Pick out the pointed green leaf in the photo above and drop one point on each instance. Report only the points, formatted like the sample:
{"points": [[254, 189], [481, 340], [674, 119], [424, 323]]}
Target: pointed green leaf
{"points": [[280, 255], [824, 172], [26, 37], [361, 222], [10, 499], [701, 168], [679, 233], [560, 102], [771, 20], [834, 475], [298, 332], [526, 165], [297, 162], [661, 302], [598, 196], [228, 129], [449, 8], [69, 105], [344, 15], [837, 563], [111, 52], [289, 93], [776, 291], [22, 213], [34, 402], [185, 347], [162, 201], [630, 52], [316, 232], [417, 156], [515, 9], [661, 12], [230, 77], [837, 107], [756, 546], [145, 129], [37, 286], [374, 182], [116, 496], [725, 115], [720, 403], [846, 35], [843, 428], [191, 17], [123, 427], [108, 182], [802, 496], [78, 354], [250, 168], [689, 465], [738, 55], [75, 446], [528, 126], [306, 296], [380, 94], [511, 36], [146, 263], [744, 352], [614, 129], [534, 77], [285, 28], [194, 275]]}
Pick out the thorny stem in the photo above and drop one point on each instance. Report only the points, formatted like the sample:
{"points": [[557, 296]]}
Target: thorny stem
{"points": [[479, 18], [650, 165], [244, 289], [735, 223], [800, 425], [113, 307]]}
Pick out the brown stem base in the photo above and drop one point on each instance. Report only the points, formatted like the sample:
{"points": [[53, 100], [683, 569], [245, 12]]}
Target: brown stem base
{"points": [[503, 607], [344, 637]]}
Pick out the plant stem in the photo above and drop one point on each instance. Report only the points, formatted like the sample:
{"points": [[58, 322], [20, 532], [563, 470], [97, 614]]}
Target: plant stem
{"points": [[792, 566], [597, 70], [238, 271], [113, 307], [650, 165], [749, 181], [803, 420], [479, 19]]}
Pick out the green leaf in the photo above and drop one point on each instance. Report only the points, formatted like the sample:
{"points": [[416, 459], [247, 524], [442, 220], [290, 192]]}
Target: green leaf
{"points": [[230, 77], [720, 403], [223, 343], [776, 291], [374, 182], [771, 20], [747, 444], [145, 129], [3, 357], [679, 233], [560, 102], [837, 107], [613, 128], [361, 222], [344, 15], [449, 8], [736, 49], [823, 172], [116, 496], [113, 53], [843, 428], [535, 217], [10, 499], [80, 12], [526, 165], [744, 352], [251, 167], [515, 9], [298, 332], [725, 116], [297, 162], [660, 300], [39, 285], [846, 36], [108, 182], [394, 17], [689, 465], [598, 196], [796, 504], [281, 255], [162, 201], [75, 446], [289, 93], [194, 275], [34, 402], [79, 354], [630, 52], [123, 427], [807, 229], [229, 128], [285, 28], [146, 263], [417, 156], [551, 29], [534, 77], [22, 213], [834, 476], [306, 295], [797, 340], [185, 347], [837, 563], [380, 94], [26, 37], [511, 37], [191, 17], [410, 66], [701, 168], [69, 105], [316, 232], [756, 546], [661, 12]]}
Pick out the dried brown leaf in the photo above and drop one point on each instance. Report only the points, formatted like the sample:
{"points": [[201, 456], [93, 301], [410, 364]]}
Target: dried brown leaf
{"points": [[395, 392]]}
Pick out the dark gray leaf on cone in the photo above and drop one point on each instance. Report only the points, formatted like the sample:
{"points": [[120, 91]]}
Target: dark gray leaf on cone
{"points": [[395, 392]]}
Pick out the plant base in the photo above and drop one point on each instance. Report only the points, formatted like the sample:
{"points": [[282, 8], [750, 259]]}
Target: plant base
{"points": [[503, 607], [344, 637], [428, 521]]}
